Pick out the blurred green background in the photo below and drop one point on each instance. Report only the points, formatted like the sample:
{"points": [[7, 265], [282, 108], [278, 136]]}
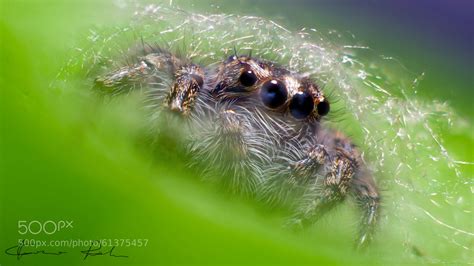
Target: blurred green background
{"points": [[63, 158]]}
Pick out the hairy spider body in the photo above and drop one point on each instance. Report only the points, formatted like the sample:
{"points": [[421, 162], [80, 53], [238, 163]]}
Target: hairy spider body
{"points": [[258, 126]]}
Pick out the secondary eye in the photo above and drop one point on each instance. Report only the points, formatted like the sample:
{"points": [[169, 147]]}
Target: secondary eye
{"points": [[231, 58], [323, 108], [301, 105], [273, 93], [248, 78]]}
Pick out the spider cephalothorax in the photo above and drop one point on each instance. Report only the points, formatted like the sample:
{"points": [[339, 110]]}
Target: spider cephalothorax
{"points": [[258, 125]]}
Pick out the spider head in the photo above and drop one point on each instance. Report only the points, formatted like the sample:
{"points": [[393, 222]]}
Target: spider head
{"points": [[271, 87]]}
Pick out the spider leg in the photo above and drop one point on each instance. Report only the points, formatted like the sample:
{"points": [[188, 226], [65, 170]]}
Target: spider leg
{"points": [[323, 196], [345, 174], [158, 71], [151, 68], [188, 81], [364, 191]]}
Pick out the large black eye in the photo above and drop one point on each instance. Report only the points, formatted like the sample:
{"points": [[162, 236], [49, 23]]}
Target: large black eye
{"points": [[301, 105], [273, 93], [248, 78], [323, 108]]}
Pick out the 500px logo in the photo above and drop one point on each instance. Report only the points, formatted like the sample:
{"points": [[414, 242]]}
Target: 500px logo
{"points": [[47, 227]]}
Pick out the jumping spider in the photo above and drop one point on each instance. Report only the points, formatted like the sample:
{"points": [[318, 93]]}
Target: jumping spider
{"points": [[259, 124]]}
